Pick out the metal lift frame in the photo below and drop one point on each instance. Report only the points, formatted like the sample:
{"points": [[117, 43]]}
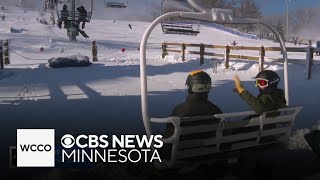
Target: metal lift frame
{"points": [[210, 15]]}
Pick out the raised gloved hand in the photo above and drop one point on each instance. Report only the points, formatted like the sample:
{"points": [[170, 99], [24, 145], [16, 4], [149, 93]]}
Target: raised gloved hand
{"points": [[238, 86]]}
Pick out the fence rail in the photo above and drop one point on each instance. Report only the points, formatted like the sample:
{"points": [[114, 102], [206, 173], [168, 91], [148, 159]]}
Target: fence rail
{"points": [[261, 49]]}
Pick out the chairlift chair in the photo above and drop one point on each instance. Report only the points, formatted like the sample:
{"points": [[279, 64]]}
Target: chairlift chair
{"points": [[179, 27], [115, 4], [75, 15], [218, 142], [48, 4]]}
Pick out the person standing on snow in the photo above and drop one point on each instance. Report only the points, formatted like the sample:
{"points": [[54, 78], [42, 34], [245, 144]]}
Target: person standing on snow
{"points": [[270, 97], [234, 43]]}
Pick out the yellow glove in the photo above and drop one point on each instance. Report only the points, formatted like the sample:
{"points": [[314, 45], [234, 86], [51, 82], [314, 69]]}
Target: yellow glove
{"points": [[238, 85]]}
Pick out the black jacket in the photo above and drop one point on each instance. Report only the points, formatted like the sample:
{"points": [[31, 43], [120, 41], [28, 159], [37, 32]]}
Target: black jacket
{"points": [[196, 105], [82, 14]]}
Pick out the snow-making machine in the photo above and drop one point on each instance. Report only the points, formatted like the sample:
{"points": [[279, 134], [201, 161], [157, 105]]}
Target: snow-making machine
{"points": [[218, 142]]}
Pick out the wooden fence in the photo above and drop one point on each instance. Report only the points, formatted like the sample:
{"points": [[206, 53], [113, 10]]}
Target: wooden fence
{"points": [[167, 47], [4, 53]]}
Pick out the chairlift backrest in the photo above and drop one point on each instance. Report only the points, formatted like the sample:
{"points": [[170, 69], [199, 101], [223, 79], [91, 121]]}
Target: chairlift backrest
{"points": [[113, 4], [69, 16], [180, 28], [228, 132]]}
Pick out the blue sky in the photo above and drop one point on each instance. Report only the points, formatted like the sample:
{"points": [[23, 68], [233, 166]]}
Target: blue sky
{"points": [[270, 7]]}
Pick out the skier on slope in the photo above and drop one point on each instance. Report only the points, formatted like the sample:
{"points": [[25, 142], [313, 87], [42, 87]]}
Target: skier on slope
{"points": [[270, 97], [234, 43]]}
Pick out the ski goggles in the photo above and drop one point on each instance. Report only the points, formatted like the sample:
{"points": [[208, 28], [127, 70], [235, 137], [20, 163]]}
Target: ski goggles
{"points": [[262, 83]]}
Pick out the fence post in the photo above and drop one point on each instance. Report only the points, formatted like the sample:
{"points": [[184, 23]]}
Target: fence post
{"points": [[164, 50], [183, 51], [312, 51], [1, 55], [261, 58], [226, 56], [201, 54], [309, 62], [6, 52], [215, 66], [52, 18], [94, 51]]}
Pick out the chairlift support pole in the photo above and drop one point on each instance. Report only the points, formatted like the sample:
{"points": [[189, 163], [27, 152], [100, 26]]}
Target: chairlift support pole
{"points": [[91, 7], [161, 7], [204, 15], [72, 31]]}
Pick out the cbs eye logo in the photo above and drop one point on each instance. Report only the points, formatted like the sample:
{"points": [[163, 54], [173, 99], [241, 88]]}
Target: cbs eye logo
{"points": [[67, 141]]}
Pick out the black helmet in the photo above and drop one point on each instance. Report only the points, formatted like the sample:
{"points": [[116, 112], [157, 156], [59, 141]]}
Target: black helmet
{"points": [[198, 82], [267, 79]]}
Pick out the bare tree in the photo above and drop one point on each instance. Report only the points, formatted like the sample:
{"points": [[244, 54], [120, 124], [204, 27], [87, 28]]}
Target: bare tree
{"points": [[213, 3], [301, 17]]}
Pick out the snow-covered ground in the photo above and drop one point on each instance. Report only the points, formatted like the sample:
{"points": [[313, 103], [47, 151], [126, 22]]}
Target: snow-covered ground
{"points": [[105, 97]]}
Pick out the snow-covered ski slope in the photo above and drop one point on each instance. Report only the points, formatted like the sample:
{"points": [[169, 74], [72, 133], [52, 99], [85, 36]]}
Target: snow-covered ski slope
{"points": [[105, 97], [230, 30]]}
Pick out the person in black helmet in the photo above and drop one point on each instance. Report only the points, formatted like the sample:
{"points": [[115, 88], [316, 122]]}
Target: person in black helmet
{"points": [[270, 97], [196, 104]]}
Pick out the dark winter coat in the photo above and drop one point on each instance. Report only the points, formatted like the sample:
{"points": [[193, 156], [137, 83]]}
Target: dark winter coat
{"points": [[64, 14], [265, 102], [195, 105], [82, 14]]}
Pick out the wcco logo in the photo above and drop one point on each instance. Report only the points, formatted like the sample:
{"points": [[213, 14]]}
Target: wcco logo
{"points": [[35, 148]]}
